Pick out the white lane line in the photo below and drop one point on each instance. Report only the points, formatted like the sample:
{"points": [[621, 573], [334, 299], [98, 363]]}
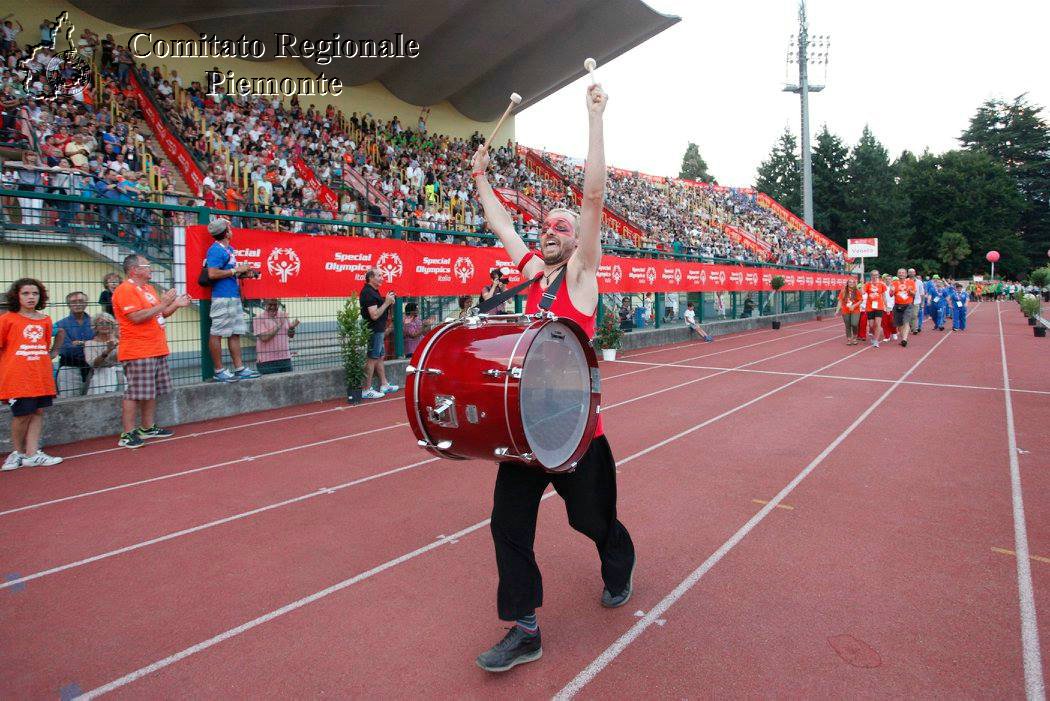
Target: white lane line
{"points": [[914, 383], [723, 372], [661, 349], [705, 355], [210, 524], [613, 651], [1035, 688], [159, 478], [197, 434], [298, 604], [324, 490]]}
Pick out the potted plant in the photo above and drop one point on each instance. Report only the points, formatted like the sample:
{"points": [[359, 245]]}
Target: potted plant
{"points": [[353, 342], [1030, 307], [776, 283], [819, 306], [609, 336], [1041, 279]]}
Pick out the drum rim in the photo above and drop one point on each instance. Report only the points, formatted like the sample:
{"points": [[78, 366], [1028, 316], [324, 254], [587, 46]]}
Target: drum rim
{"points": [[418, 375], [532, 326]]}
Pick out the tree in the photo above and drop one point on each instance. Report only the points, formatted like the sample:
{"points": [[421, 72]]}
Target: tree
{"points": [[780, 175], [952, 249], [693, 165], [830, 183], [1015, 135], [874, 205], [965, 192]]}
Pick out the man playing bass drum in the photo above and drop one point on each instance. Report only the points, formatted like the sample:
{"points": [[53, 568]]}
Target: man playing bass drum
{"points": [[568, 241]]}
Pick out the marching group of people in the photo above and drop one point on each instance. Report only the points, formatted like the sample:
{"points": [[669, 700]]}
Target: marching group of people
{"points": [[890, 308]]}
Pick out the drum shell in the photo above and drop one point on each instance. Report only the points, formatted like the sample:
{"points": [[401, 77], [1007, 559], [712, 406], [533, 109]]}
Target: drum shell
{"points": [[475, 363]]}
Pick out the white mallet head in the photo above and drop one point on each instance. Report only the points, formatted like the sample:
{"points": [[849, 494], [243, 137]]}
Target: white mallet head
{"points": [[590, 64], [515, 98]]}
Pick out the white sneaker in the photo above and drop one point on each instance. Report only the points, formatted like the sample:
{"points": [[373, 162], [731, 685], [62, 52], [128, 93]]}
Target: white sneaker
{"points": [[372, 394], [40, 459], [386, 389], [13, 462]]}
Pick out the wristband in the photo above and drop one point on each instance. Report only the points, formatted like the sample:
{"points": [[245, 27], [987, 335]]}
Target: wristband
{"points": [[476, 173], [525, 259]]}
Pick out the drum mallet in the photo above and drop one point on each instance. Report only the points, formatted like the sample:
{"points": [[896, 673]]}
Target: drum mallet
{"points": [[590, 64], [515, 99]]}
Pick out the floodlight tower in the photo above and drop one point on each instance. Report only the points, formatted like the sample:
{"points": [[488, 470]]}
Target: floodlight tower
{"points": [[799, 54]]}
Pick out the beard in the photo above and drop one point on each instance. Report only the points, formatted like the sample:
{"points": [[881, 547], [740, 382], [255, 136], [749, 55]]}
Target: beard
{"points": [[556, 256]]}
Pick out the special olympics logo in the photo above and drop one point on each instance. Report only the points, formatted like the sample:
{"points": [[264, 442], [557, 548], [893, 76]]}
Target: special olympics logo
{"points": [[617, 274], [678, 276], [284, 263], [60, 73], [33, 333], [464, 269], [390, 265], [650, 274]]}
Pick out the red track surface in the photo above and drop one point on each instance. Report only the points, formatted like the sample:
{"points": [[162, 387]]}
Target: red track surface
{"points": [[885, 570]]}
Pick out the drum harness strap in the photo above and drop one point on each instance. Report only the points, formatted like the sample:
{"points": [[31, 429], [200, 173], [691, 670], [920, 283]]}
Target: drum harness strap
{"points": [[545, 301]]}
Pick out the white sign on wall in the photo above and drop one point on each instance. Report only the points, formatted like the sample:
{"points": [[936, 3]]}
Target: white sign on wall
{"points": [[862, 248]]}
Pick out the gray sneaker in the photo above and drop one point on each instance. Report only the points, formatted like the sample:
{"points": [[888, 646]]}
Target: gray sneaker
{"points": [[517, 647], [611, 601]]}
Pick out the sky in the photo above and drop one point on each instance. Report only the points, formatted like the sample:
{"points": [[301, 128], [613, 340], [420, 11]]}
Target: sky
{"points": [[915, 71]]}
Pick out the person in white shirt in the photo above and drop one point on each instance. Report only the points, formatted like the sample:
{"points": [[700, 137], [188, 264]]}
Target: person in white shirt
{"points": [[690, 321], [920, 300]]}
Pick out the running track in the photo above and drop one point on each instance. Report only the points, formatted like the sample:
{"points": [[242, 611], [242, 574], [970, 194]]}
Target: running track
{"points": [[811, 520]]}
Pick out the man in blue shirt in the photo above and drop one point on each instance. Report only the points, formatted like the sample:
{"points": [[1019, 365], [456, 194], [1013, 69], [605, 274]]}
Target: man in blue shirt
{"points": [[71, 332], [227, 312]]}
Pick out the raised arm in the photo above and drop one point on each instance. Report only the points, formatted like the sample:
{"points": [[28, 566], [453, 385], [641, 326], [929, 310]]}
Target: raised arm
{"points": [[589, 253], [496, 217]]}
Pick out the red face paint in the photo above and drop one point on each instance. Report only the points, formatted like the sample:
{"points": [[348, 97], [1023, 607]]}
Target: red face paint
{"points": [[561, 225]]}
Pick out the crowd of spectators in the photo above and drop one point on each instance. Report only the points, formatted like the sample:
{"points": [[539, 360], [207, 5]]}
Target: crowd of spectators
{"points": [[78, 142]]}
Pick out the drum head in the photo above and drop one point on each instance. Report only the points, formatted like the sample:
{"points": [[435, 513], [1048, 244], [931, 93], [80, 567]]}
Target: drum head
{"points": [[555, 394]]}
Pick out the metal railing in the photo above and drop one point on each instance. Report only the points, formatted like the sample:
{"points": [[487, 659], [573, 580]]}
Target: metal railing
{"points": [[72, 242]]}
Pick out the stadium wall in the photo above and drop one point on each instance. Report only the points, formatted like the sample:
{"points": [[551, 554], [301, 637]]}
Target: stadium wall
{"points": [[371, 97], [80, 418]]}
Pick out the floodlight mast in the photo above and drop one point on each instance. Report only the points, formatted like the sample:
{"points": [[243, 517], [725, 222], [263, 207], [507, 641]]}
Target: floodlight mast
{"points": [[803, 89]]}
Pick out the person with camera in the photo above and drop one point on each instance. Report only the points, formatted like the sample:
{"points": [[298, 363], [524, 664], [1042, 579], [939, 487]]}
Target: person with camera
{"points": [[498, 285], [227, 311]]}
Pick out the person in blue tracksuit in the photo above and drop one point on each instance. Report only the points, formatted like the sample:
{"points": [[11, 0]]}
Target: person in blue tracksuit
{"points": [[938, 302], [959, 299]]}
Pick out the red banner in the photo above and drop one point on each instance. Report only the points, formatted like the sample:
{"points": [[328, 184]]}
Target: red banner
{"points": [[746, 239], [528, 206], [297, 265], [173, 148], [328, 199], [793, 221], [353, 177]]}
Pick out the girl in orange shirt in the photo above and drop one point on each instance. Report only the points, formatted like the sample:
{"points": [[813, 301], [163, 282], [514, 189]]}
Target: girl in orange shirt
{"points": [[849, 305], [26, 379]]}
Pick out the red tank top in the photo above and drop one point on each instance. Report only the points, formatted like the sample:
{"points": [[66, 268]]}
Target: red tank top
{"points": [[563, 306]]}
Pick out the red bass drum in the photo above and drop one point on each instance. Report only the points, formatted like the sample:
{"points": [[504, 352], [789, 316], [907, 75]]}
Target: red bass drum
{"points": [[520, 388]]}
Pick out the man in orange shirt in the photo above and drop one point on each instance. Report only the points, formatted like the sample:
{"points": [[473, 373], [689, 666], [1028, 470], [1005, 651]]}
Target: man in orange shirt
{"points": [[143, 349], [904, 312], [875, 306]]}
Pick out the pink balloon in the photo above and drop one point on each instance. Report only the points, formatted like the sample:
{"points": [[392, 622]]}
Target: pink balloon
{"points": [[992, 257]]}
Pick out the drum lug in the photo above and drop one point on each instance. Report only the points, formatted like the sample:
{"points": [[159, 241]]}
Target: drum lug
{"points": [[504, 452], [440, 445], [496, 373], [409, 369]]}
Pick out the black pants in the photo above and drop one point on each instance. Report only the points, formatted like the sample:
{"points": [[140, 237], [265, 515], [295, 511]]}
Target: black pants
{"points": [[590, 502]]}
